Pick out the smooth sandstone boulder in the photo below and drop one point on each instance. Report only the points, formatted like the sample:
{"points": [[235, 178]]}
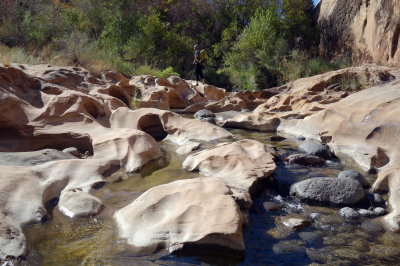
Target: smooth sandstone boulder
{"points": [[242, 165], [161, 124], [306, 96], [186, 214], [327, 190]]}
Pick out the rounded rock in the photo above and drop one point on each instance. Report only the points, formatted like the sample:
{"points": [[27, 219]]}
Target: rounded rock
{"points": [[349, 213], [379, 211], [354, 175], [336, 191], [366, 213], [316, 149]]}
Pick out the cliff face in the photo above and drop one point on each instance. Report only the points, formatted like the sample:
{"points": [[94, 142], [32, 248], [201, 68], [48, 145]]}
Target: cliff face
{"points": [[366, 30]]}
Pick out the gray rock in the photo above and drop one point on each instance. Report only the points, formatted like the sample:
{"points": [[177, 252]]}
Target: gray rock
{"points": [[338, 191], [272, 206], [353, 175], [375, 198], [379, 211], [366, 213], [287, 247], [305, 159], [349, 213], [33, 157], [72, 150], [205, 115], [311, 238], [372, 228], [316, 149]]}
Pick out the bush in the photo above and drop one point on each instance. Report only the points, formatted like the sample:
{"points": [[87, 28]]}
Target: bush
{"points": [[148, 70], [217, 78]]}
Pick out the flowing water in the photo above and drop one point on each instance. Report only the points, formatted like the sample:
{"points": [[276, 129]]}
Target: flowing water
{"points": [[329, 240]]}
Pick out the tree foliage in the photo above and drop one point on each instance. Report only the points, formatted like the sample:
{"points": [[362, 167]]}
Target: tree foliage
{"points": [[251, 42]]}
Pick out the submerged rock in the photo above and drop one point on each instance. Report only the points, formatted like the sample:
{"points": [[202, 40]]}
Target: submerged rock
{"points": [[305, 159], [328, 190], [288, 247], [272, 206], [79, 204], [196, 213], [296, 222], [276, 138]]}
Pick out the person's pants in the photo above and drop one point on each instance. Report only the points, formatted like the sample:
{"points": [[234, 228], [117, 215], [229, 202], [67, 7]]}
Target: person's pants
{"points": [[198, 70]]}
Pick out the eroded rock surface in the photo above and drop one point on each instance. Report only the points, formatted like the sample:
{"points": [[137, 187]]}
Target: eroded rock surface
{"points": [[365, 30], [307, 96], [242, 165], [177, 217]]}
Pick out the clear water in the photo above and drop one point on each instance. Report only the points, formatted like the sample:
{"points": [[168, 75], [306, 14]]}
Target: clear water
{"points": [[93, 241]]}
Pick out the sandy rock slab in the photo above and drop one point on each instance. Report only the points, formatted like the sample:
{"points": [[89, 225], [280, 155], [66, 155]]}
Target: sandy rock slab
{"points": [[242, 165], [165, 124], [196, 214]]}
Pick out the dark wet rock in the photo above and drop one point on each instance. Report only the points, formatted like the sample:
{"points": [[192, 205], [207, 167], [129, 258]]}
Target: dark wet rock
{"points": [[349, 213], [296, 222], [272, 206], [354, 175], [287, 247], [316, 149], [366, 213], [301, 138], [311, 238], [305, 159], [337, 191], [380, 211], [275, 138], [205, 115], [372, 228], [33, 157], [72, 150]]}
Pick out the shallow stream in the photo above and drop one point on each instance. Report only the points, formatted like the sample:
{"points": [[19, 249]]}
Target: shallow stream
{"points": [[328, 240]]}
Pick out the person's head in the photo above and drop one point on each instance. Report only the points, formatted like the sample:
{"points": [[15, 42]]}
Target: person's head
{"points": [[196, 47]]}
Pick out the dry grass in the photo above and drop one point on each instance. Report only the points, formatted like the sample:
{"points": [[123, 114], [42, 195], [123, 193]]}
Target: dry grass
{"points": [[17, 55]]}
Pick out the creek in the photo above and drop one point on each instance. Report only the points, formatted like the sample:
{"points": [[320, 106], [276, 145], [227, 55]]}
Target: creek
{"points": [[328, 240]]}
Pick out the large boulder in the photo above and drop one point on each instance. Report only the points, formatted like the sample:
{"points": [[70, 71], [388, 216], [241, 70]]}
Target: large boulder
{"points": [[365, 30], [196, 215], [326, 190], [242, 165], [33, 157]]}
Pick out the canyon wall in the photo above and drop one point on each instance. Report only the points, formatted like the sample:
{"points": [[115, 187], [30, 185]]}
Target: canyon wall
{"points": [[367, 31]]}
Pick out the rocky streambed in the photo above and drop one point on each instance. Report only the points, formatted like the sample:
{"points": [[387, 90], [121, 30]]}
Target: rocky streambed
{"points": [[280, 229], [87, 180]]}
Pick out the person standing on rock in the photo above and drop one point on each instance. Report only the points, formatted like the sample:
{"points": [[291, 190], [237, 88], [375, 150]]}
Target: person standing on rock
{"points": [[198, 67]]}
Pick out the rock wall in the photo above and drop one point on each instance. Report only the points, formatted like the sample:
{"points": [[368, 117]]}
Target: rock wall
{"points": [[366, 31]]}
